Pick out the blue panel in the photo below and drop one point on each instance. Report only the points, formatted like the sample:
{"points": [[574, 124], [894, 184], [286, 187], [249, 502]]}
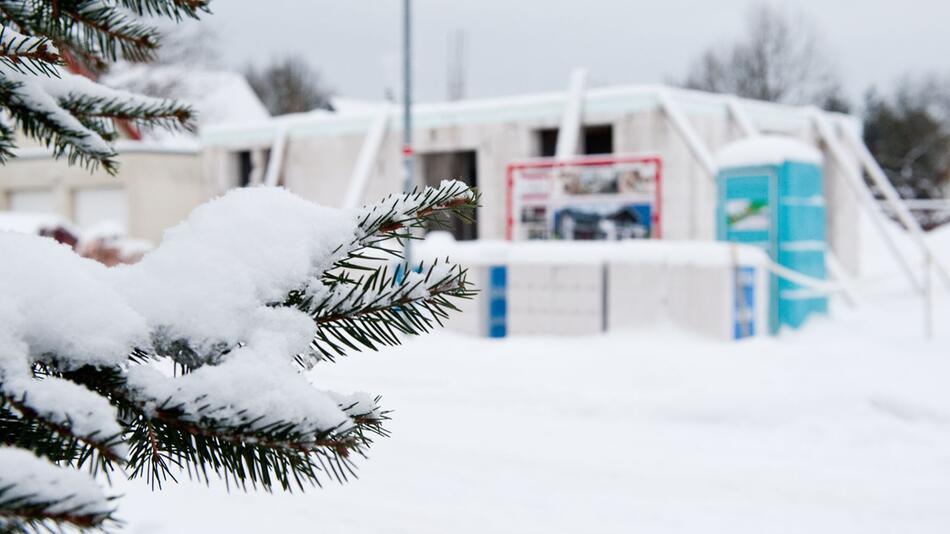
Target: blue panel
{"points": [[744, 305], [801, 222], [802, 241], [800, 180], [497, 301], [808, 262]]}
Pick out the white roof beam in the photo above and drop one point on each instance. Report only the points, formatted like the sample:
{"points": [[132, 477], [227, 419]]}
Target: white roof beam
{"points": [[568, 134]]}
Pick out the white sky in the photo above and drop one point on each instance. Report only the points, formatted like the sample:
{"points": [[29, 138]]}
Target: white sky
{"points": [[517, 46]]}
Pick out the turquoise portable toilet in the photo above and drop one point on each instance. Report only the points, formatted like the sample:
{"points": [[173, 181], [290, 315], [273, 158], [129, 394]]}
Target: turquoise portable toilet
{"points": [[770, 193]]}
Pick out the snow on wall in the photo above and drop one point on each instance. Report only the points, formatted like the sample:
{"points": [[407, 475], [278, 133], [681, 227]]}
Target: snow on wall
{"points": [[634, 251]]}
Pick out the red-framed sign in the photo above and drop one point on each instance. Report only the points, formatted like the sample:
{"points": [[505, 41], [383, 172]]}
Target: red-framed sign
{"points": [[604, 197]]}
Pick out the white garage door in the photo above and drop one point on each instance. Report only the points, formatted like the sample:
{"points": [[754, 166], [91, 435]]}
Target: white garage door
{"points": [[95, 205], [31, 200]]}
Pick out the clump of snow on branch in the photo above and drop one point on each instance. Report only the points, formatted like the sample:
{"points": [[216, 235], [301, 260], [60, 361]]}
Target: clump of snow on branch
{"points": [[32, 483], [281, 395], [63, 307], [16, 48], [415, 285], [213, 277]]}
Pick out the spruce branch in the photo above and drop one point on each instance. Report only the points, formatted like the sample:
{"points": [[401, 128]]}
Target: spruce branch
{"points": [[376, 309], [32, 514], [75, 119], [39, 116], [279, 455], [166, 114], [90, 28], [115, 33], [98, 27], [362, 305], [174, 9], [100, 449], [164, 437], [6, 139], [36, 496], [26, 54], [17, 431], [395, 218]]}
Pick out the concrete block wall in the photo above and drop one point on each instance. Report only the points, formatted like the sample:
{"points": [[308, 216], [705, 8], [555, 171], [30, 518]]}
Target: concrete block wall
{"points": [[613, 289], [555, 299]]}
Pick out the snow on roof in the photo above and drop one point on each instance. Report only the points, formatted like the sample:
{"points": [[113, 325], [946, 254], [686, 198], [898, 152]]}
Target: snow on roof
{"points": [[349, 106], [218, 96], [765, 150], [601, 103]]}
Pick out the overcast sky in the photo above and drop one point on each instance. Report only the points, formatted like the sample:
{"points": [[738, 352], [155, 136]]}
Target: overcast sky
{"points": [[517, 46]]}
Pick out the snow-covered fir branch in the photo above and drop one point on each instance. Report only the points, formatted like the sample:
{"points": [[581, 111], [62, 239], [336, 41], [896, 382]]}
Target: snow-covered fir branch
{"points": [[71, 114], [378, 308], [36, 496], [40, 115], [27, 54], [67, 112], [175, 9], [191, 358]]}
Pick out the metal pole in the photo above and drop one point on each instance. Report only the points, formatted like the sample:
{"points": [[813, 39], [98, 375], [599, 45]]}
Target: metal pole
{"points": [[407, 184]]}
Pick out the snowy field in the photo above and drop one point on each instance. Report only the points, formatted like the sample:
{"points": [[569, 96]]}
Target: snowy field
{"points": [[841, 428]]}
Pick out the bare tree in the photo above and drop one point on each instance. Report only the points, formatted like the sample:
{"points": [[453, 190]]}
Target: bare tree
{"points": [[780, 58], [289, 85]]}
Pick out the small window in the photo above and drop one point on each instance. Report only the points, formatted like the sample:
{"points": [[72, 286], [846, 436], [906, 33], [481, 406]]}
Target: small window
{"points": [[596, 139], [547, 142], [462, 166]]}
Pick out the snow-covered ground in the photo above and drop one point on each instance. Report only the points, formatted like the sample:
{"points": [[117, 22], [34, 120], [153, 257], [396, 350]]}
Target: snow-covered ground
{"points": [[843, 427]]}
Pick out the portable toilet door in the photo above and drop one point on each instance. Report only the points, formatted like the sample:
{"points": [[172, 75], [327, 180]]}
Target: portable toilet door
{"points": [[770, 194]]}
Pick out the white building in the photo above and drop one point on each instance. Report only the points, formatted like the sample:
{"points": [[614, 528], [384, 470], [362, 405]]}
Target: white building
{"points": [[318, 155]]}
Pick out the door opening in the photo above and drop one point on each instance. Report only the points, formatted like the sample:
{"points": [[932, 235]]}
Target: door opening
{"points": [[460, 166]]}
